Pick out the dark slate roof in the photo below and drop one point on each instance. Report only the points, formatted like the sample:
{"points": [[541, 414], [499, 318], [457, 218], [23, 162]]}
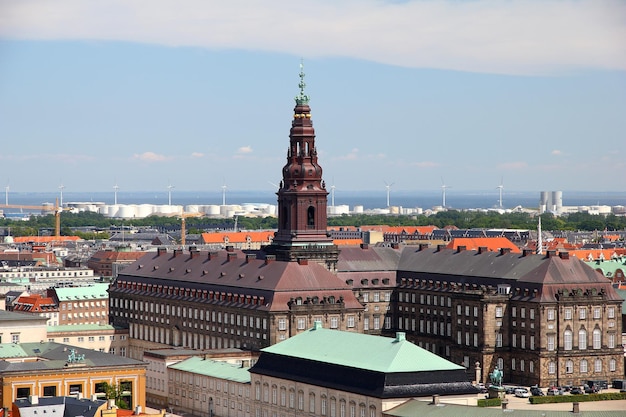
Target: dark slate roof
{"points": [[238, 272], [55, 356], [548, 274], [368, 258], [59, 407]]}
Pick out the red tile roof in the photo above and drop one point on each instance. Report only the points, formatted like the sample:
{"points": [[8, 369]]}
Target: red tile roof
{"points": [[493, 244]]}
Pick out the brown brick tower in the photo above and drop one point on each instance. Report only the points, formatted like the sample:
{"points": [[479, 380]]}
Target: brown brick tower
{"points": [[302, 197]]}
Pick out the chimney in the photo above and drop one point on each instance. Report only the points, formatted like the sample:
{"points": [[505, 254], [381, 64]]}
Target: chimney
{"points": [[505, 251], [550, 253], [212, 255], [34, 400], [177, 252], [161, 251], [423, 246], [460, 248], [230, 248], [527, 252], [440, 247], [564, 255], [400, 336], [231, 256], [303, 261], [193, 247], [250, 257], [576, 407], [435, 399], [483, 249], [192, 253], [364, 246], [395, 245], [269, 259], [317, 324]]}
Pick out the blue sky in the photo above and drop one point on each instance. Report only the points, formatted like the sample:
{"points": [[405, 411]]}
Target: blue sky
{"points": [[198, 94]]}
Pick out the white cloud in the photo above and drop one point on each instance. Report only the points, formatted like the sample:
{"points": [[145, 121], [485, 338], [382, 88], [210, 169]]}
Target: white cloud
{"points": [[350, 156], [516, 36], [244, 150], [557, 152], [197, 154], [149, 157]]}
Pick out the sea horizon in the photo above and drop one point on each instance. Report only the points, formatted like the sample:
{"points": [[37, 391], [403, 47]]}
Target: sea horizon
{"points": [[373, 199]]}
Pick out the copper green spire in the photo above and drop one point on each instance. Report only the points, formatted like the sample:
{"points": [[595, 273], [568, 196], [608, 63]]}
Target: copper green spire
{"points": [[302, 98]]}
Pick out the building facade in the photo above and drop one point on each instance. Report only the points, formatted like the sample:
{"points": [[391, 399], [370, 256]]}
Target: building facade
{"points": [[546, 320], [53, 369], [88, 304]]}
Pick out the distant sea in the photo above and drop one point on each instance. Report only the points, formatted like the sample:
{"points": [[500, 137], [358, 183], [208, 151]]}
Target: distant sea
{"points": [[367, 199]]}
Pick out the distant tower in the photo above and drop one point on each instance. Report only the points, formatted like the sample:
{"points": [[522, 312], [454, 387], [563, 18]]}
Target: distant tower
{"points": [[302, 196], [539, 239]]}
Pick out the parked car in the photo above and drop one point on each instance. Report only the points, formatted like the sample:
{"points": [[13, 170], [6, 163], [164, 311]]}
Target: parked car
{"points": [[555, 391], [576, 391], [590, 390], [536, 391], [522, 393], [510, 390]]}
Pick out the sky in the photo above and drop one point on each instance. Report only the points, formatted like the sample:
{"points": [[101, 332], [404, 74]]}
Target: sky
{"points": [[198, 94]]}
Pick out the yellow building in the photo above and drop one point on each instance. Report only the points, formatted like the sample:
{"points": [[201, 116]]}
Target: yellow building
{"points": [[52, 369]]}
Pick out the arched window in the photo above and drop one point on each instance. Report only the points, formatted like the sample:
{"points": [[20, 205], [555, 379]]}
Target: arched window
{"points": [[567, 339], [372, 411], [283, 396], [551, 367], [342, 408], [266, 393], [612, 365], [582, 339], [583, 366], [597, 365], [257, 391], [323, 405], [597, 338], [292, 398], [274, 394], [569, 367], [333, 407], [300, 400], [311, 402], [362, 410], [310, 216], [352, 409]]}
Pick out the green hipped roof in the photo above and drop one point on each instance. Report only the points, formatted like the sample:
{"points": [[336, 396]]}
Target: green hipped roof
{"points": [[79, 328], [90, 292], [361, 351], [208, 367]]}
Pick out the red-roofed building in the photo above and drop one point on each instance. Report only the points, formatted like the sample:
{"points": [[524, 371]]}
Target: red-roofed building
{"points": [[239, 239], [494, 244], [38, 305]]}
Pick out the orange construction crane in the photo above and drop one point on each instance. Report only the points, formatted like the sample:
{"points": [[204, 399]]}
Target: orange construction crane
{"points": [[57, 213], [183, 227]]}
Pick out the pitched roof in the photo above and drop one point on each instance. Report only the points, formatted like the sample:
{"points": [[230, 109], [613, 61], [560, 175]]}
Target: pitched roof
{"points": [[491, 243], [109, 255], [361, 351], [88, 292], [217, 369], [45, 239], [233, 237]]}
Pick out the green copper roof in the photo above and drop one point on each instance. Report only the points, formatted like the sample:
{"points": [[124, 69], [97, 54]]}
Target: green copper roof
{"points": [[208, 367], [80, 328], [361, 351], [91, 292]]}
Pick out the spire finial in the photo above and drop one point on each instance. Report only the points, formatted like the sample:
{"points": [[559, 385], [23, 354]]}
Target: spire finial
{"points": [[302, 98]]}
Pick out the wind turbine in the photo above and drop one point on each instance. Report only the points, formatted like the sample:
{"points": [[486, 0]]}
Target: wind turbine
{"points": [[388, 187], [443, 192], [115, 188], [169, 194], [500, 187]]}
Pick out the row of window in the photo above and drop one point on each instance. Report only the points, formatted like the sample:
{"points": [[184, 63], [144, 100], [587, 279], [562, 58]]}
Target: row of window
{"points": [[86, 304], [582, 313], [568, 339], [583, 366], [298, 401]]}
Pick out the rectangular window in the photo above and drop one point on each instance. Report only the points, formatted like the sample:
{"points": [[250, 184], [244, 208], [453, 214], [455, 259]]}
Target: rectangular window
{"points": [[550, 314], [366, 323], [531, 312], [334, 322], [568, 313], [376, 297], [513, 311], [499, 311], [582, 313], [282, 324], [611, 312], [301, 323], [475, 311], [532, 342], [350, 321], [523, 311], [550, 342], [597, 313]]}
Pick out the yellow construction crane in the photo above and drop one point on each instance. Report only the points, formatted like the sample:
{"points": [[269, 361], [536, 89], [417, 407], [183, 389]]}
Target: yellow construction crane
{"points": [[183, 226], [57, 213]]}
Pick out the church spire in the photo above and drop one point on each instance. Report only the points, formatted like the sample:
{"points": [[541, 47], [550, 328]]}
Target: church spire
{"points": [[302, 196]]}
